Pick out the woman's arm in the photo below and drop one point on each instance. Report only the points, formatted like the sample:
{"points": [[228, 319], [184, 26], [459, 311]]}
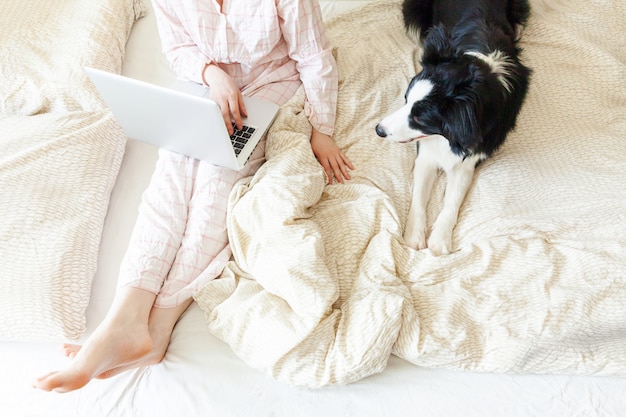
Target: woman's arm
{"points": [[303, 30], [182, 53], [188, 62]]}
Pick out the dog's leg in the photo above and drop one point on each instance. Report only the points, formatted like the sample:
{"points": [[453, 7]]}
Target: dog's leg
{"points": [[424, 174], [459, 180]]}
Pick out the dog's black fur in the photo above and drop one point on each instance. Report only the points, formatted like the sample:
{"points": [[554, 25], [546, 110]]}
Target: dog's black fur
{"points": [[481, 112], [470, 88]]}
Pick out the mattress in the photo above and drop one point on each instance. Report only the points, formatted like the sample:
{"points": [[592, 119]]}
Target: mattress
{"points": [[201, 374]]}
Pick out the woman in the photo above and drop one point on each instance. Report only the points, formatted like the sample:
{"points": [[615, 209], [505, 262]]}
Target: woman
{"points": [[262, 48]]}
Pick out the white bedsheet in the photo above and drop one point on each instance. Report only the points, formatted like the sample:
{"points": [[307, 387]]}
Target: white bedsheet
{"points": [[201, 376]]}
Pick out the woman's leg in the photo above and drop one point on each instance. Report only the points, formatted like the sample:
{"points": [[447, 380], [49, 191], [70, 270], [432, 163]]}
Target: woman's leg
{"points": [[122, 337], [134, 332], [204, 249], [180, 234], [160, 327], [201, 256]]}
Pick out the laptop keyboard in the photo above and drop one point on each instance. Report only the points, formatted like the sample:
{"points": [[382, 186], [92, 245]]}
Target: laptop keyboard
{"points": [[240, 137]]}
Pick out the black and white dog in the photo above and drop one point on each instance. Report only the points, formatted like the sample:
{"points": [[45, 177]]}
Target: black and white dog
{"points": [[462, 104]]}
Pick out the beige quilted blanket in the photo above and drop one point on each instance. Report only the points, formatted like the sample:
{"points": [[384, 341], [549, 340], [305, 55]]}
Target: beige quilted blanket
{"points": [[323, 289], [60, 152]]}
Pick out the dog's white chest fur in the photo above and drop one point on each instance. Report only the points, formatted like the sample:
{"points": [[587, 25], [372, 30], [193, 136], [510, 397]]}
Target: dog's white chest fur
{"points": [[436, 150]]}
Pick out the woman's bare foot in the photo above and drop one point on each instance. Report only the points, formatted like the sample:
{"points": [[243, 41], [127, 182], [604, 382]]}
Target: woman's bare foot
{"points": [[70, 350], [110, 346], [159, 337], [122, 338], [160, 329], [129, 338]]}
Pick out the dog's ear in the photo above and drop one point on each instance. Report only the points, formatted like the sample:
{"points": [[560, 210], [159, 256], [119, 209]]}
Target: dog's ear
{"points": [[438, 46], [460, 126], [467, 79]]}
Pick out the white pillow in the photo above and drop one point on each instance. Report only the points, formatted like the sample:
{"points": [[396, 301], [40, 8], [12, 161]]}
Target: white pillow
{"points": [[45, 44], [56, 173]]}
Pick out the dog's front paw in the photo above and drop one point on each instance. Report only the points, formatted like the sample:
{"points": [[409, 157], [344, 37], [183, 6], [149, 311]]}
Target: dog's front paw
{"points": [[415, 234], [415, 239], [415, 230], [440, 243]]}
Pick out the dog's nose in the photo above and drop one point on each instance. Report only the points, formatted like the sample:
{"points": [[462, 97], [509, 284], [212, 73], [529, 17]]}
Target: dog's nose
{"points": [[380, 131]]}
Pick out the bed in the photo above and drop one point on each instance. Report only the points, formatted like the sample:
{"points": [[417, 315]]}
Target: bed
{"points": [[323, 310]]}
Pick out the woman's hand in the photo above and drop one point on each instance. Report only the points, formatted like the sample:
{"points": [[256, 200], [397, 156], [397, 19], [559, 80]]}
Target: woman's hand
{"points": [[226, 94], [332, 159]]}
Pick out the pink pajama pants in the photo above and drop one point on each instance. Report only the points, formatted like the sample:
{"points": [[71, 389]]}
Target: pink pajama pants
{"points": [[180, 242]]}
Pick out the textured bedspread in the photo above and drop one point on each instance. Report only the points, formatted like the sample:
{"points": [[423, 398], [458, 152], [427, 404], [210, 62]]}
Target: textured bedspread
{"points": [[60, 151], [322, 290]]}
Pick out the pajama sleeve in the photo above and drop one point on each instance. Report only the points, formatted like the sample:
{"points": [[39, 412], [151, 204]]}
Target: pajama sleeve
{"points": [[303, 30], [184, 56]]}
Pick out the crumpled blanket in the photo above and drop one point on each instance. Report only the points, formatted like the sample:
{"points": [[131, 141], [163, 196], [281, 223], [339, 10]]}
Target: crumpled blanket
{"points": [[322, 289]]}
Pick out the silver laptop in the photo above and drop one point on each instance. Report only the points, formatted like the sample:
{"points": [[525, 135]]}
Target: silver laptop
{"points": [[182, 118]]}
